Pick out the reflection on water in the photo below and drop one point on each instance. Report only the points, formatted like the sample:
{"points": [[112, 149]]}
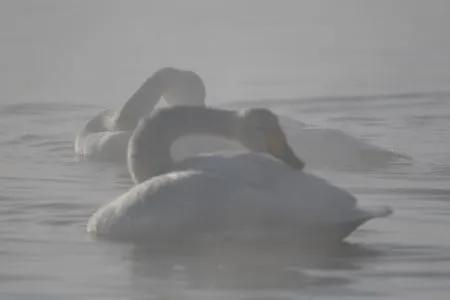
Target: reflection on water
{"points": [[247, 269]]}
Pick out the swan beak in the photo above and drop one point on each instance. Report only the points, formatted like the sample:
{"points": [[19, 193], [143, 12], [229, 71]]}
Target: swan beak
{"points": [[278, 146]]}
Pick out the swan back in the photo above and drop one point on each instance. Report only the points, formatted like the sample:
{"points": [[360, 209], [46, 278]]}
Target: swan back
{"points": [[193, 203]]}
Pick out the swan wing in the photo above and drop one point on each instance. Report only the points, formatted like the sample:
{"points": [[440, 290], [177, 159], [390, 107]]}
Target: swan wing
{"points": [[180, 204], [107, 145], [202, 201], [314, 200], [239, 167], [302, 197]]}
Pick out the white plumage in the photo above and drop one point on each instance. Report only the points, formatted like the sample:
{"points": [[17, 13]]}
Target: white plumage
{"points": [[229, 194]]}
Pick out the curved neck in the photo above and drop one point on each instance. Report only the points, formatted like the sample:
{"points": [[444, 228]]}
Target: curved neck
{"points": [[149, 147], [140, 104]]}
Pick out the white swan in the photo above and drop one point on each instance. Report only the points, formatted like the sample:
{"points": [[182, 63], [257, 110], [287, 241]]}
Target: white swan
{"points": [[106, 136], [224, 195]]}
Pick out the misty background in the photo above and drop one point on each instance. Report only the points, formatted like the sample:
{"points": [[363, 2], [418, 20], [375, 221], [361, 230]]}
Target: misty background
{"points": [[97, 50]]}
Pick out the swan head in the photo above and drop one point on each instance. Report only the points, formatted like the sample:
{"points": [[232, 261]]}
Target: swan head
{"points": [[260, 131]]}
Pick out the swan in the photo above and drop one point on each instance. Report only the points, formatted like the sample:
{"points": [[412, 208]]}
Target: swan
{"points": [[264, 193], [106, 136]]}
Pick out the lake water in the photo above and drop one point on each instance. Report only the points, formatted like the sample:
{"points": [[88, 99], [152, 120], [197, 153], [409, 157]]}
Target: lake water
{"points": [[376, 70]]}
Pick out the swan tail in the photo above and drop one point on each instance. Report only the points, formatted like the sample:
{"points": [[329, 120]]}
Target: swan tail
{"points": [[363, 215]]}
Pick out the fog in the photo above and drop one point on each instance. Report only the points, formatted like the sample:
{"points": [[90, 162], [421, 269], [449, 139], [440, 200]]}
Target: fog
{"points": [[72, 51]]}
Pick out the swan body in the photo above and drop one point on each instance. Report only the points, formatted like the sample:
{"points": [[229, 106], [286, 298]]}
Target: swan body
{"points": [[261, 194], [106, 136], [97, 141], [326, 148]]}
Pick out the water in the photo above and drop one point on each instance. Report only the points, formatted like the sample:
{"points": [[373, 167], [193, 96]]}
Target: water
{"points": [[378, 71]]}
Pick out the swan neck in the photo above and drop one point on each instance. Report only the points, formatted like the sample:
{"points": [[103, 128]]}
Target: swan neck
{"points": [[140, 104], [149, 149]]}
